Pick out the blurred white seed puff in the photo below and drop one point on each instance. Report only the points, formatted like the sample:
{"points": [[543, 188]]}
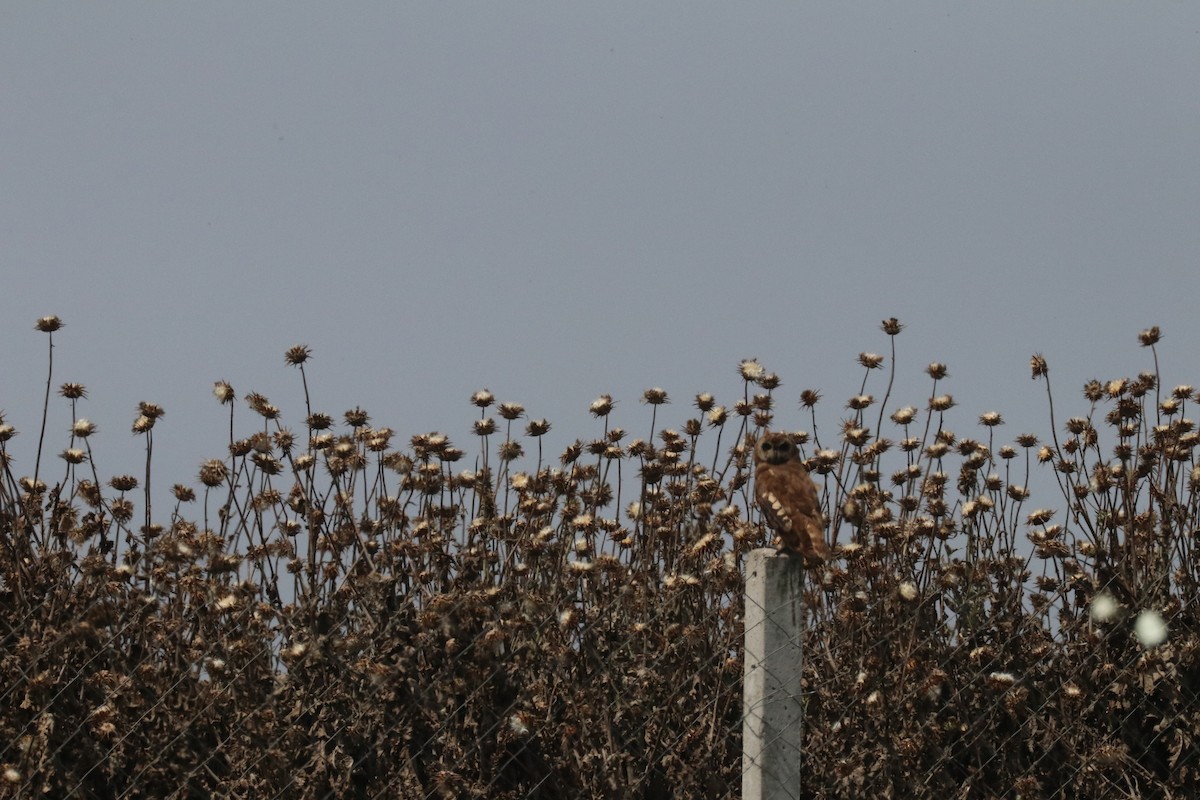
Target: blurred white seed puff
{"points": [[1104, 607], [1150, 629]]}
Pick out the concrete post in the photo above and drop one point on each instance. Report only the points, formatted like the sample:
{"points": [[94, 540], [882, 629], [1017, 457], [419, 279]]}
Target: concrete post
{"points": [[771, 704]]}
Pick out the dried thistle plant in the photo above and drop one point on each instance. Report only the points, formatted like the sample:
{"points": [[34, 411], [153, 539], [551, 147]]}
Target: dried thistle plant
{"points": [[333, 613]]}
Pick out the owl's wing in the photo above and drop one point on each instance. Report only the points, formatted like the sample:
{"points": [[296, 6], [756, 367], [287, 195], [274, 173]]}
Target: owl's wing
{"points": [[790, 505]]}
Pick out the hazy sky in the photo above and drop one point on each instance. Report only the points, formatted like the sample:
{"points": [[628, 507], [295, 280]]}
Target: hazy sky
{"points": [[555, 200]]}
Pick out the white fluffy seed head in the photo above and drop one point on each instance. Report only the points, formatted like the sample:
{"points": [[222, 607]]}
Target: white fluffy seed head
{"points": [[1150, 629]]}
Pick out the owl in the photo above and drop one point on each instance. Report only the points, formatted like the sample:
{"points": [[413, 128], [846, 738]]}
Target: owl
{"points": [[788, 498]]}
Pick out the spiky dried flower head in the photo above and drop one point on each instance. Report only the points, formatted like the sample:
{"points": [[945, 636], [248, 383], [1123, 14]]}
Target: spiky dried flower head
{"points": [[223, 392], [83, 428], [870, 360], [825, 460], [937, 370], [1038, 366], [860, 401], [1116, 387], [73, 391], [318, 421], [1018, 492], [717, 415], [267, 463], [483, 398], [1040, 517], [903, 416], [184, 494], [285, 440], [143, 424], [213, 472], [1077, 425], [356, 417], [572, 453], [123, 483], [511, 411], [991, 419], [73, 455], [485, 427], [48, 324], [762, 402], [705, 402], [121, 509], [601, 406], [943, 402], [297, 355], [891, 326], [854, 435], [1001, 680], [151, 410], [32, 486], [1150, 336], [809, 398], [750, 369], [537, 427], [655, 396], [769, 381]]}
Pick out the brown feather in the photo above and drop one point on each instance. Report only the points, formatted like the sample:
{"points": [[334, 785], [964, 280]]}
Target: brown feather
{"points": [[788, 498]]}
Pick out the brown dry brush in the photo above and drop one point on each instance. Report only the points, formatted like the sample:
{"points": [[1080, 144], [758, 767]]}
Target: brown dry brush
{"points": [[331, 613]]}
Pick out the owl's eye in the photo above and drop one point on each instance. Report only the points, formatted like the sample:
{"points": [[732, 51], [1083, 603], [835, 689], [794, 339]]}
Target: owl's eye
{"points": [[784, 446]]}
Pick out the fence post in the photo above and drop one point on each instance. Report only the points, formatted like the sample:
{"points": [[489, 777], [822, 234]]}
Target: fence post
{"points": [[771, 706]]}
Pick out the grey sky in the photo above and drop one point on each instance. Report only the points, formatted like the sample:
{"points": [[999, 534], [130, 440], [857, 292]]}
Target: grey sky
{"points": [[556, 200]]}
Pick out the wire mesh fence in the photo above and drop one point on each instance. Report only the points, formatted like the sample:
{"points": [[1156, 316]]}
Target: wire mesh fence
{"points": [[329, 614]]}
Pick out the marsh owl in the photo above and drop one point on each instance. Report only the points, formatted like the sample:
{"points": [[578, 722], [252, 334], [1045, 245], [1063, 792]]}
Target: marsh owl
{"points": [[788, 498]]}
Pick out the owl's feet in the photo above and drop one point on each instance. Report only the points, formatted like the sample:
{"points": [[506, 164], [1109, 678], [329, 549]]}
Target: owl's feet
{"points": [[812, 559]]}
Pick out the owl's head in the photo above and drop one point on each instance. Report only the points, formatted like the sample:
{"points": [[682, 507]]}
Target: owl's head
{"points": [[775, 448]]}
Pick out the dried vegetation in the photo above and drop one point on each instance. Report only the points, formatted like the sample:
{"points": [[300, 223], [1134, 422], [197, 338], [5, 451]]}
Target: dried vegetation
{"points": [[331, 612]]}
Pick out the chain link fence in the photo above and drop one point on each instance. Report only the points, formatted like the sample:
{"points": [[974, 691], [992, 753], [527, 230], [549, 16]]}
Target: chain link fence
{"points": [[328, 614]]}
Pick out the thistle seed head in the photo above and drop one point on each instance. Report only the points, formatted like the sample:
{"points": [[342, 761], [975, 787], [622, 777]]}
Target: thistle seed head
{"points": [[870, 360], [511, 411], [656, 396], [48, 324], [750, 369], [223, 392], [601, 406], [297, 355]]}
